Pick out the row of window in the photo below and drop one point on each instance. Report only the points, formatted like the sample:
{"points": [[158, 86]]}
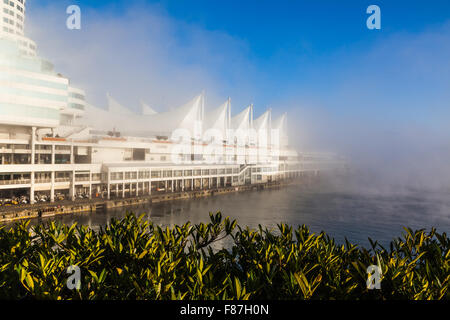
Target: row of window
{"points": [[76, 95], [20, 8], [11, 13], [5, 29], [169, 173], [11, 22], [76, 106]]}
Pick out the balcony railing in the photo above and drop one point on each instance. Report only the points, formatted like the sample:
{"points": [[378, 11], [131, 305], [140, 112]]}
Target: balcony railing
{"points": [[42, 180], [8, 182]]}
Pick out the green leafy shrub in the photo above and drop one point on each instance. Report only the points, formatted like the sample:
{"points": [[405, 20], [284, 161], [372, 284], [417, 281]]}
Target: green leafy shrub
{"points": [[135, 259]]}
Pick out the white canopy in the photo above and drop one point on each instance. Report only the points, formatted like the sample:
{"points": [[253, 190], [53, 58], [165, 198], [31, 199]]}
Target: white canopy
{"points": [[147, 110], [189, 117], [280, 124], [122, 119]]}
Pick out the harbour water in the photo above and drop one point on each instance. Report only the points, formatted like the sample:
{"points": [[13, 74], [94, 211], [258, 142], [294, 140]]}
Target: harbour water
{"points": [[341, 211]]}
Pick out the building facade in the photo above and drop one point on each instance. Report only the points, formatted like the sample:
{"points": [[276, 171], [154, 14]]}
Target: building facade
{"points": [[55, 146]]}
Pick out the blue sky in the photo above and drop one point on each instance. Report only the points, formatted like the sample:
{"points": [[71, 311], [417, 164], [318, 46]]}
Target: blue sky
{"points": [[315, 58]]}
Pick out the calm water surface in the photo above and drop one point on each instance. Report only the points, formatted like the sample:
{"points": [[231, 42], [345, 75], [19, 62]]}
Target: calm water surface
{"points": [[355, 213]]}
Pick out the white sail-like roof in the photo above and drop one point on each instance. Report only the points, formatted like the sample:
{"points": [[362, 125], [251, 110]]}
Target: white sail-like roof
{"points": [[241, 125], [100, 119], [116, 108], [263, 122], [218, 118], [147, 110], [189, 117], [242, 121], [262, 125], [280, 124]]}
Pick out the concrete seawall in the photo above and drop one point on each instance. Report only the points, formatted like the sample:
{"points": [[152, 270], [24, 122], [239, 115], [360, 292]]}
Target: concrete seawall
{"points": [[55, 209]]}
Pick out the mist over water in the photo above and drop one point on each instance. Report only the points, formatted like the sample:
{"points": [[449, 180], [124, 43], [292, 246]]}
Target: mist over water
{"points": [[334, 205]]}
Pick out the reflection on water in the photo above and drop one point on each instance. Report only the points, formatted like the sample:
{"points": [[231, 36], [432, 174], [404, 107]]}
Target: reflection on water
{"points": [[342, 212]]}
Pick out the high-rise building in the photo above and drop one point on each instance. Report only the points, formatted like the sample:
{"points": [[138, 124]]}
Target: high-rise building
{"points": [[31, 92], [12, 25]]}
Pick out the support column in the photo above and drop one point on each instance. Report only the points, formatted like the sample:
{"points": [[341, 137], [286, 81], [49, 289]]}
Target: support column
{"points": [[32, 188], [53, 154], [108, 186], [172, 188], [150, 182], [72, 187], [33, 145], [90, 185], [137, 184], [52, 188], [72, 156], [123, 189]]}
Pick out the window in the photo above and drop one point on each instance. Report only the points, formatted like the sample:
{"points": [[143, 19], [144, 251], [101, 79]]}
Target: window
{"points": [[76, 106], [156, 174], [178, 173], [77, 95]]}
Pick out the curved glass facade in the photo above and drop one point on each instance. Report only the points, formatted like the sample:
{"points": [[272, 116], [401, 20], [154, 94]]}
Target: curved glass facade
{"points": [[31, 92]]}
